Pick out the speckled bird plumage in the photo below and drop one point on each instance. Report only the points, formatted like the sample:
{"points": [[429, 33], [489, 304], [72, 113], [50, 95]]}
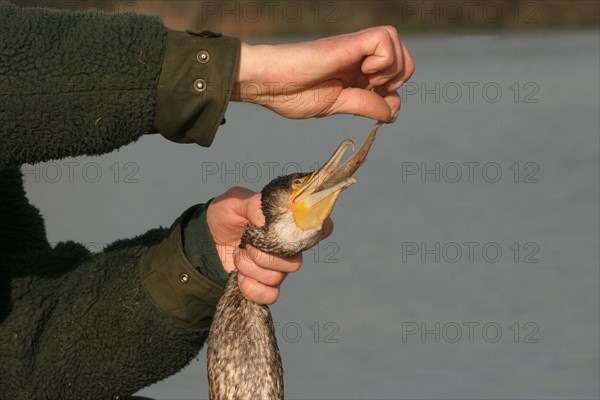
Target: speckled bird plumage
{"points": [[257, 372], [243, 357]]}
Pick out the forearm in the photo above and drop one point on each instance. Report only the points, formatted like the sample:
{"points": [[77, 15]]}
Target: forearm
{"points": [[88, 83]]}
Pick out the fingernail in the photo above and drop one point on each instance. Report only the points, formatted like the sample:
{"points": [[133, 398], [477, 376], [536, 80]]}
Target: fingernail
{"points": [[260, 218], [249, 249], [394, 116]]}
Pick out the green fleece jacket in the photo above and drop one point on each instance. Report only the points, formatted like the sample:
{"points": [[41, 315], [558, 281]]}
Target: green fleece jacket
{"points": [[76, 325]]}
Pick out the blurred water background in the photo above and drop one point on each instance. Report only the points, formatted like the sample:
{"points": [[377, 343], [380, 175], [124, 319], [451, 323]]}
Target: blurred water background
{"points": [[464, 263]]}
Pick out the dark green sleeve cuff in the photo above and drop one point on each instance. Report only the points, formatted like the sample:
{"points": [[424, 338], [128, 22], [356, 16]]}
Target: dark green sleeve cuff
{"points": [[175, 285], [199, 247], [196, 81]]}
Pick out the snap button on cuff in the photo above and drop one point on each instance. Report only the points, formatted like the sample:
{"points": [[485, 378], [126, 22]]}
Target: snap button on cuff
{"points": [[199, 85], [184, 278], [203, 56]]}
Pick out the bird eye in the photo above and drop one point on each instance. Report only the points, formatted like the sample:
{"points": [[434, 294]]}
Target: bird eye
{"points": [[297, 183]]}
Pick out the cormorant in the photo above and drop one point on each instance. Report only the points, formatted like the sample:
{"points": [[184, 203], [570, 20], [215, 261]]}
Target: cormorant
{"points": [[243, 357]]}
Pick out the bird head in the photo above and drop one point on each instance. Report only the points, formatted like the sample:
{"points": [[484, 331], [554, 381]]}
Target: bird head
{"points": [[296, 206]]}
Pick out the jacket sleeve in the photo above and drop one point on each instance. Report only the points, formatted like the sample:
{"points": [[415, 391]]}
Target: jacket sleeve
{"points": [[195, 85], [80, 325], [74, 83], [73, 324]]}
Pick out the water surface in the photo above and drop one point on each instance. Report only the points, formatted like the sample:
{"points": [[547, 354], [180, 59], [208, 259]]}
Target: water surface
{"points": [[464, 263]]}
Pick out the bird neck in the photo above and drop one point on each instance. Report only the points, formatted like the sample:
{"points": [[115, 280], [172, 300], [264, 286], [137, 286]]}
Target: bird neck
{"points": [[243, 356]]}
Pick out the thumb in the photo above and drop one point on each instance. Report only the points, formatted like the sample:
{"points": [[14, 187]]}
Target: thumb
{"points": [[251, 210], [365, 103]]}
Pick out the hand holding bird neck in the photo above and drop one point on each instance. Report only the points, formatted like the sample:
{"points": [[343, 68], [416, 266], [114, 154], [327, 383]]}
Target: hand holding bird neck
{"points": [[260, 274]]}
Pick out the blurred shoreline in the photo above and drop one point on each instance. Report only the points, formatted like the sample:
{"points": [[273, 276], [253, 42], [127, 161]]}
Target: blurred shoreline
{"points": [[268, 18]]}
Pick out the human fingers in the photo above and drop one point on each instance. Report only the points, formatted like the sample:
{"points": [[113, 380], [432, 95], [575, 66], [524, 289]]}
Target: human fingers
{"points": [[400, 69], [403, 62], [246, 204], [363, 102], [252, 211], [380, 49], [257, 292], [228, 214], [407, 71], [393, 100], [248, 267], [269, 261], [390, 56]]}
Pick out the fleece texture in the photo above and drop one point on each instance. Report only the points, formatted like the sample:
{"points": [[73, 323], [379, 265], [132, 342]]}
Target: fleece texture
{"points": [[77, 325], [90, 76]]}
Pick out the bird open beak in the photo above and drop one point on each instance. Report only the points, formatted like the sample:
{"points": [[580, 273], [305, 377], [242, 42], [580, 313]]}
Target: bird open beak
{"points": [[312, 204]]}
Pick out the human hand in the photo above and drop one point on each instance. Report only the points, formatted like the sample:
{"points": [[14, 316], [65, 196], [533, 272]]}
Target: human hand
{"points": [[260, 274], [356, 73]]}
